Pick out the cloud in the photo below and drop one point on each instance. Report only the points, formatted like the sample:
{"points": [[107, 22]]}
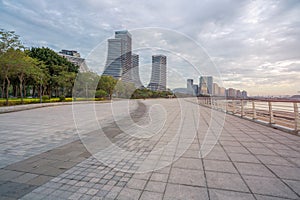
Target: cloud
{"points": [[254, 44]]}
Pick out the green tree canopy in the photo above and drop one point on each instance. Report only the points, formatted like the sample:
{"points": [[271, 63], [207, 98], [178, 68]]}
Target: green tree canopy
{"points": [[8, 40], [107, 83]]}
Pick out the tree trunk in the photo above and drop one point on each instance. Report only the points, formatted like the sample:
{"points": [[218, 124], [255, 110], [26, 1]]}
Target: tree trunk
{"points": [[33, 91], [21, 92], [7, 88], [21, 88], [24, 89], [3, 89]]}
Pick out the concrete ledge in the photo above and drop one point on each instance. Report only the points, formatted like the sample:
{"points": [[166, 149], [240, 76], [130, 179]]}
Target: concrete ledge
{"points": [[8, 109]]}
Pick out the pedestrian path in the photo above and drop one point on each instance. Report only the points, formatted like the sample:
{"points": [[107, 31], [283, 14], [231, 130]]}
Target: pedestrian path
{"points": [[191, 152]]}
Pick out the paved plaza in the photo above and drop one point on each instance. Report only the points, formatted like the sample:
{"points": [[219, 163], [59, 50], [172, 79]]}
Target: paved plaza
{"points": [[144, 149]]}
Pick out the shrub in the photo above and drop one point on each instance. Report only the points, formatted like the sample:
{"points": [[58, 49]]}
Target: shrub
{"points": [[100, 94], [45, 98], [62, 98]]}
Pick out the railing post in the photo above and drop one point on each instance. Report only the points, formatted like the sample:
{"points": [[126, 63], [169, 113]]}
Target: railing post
{"points": [[242, 109], [271, 120], [233, 107], [254, 110], [297, 118]]}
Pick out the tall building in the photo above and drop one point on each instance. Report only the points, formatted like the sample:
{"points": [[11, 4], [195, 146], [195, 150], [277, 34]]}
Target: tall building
{"points": [[231, 93], [126, 53], [134, 72], [222, 91], [189, 85], [113, 66], [244, 94], [159, 73], [195, 90], [74, 57], [121, 63], [216, 89], [238, 94], [206, 85]]}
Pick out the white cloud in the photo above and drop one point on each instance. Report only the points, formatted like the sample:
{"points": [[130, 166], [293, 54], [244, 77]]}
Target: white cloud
{"points": [[255, 44]]}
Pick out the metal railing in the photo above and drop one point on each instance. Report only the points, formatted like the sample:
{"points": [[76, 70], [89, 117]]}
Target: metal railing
{"points": [[276, 113]]}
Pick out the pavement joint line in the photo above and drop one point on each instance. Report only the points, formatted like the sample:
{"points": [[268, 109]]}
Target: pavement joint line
{"points": [[269, 167], [238, 134]]}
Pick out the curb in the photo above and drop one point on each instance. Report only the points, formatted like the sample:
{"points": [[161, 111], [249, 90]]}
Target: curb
{"points": [[9, 109]]}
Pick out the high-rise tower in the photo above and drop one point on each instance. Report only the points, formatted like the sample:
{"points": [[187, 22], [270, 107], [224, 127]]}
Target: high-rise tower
{"points": [[206, 85], [159, 73], [119, 62]]}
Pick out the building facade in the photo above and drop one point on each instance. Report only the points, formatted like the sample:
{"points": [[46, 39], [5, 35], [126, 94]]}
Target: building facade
{"points": [[206, 85], [134, 71], [74, 57], [189, 85], [158, 80], [121, 63]]}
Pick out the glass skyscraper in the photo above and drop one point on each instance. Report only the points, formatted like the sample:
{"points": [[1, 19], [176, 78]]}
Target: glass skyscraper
{"points": [[158, 80], [206, 85], [121, 63]]}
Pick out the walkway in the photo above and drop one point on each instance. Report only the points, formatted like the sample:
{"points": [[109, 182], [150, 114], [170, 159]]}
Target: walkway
{"points": [[178, 151]]}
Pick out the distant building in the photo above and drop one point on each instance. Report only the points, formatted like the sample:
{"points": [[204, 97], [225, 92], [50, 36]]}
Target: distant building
{"points": [[206, 85], [121, 63], [189, 85], [244, 94], [215, 91], [195, 90], [238, 94], [158, 80], [74, 57], [231, 92], [222, 91], [113, 66], [134, 72]]}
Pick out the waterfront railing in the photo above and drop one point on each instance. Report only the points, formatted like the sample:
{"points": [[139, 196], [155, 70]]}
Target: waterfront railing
{"points": [[280, 114]]}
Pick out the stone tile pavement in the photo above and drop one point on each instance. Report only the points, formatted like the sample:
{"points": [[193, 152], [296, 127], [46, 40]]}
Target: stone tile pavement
{"points": [[247, 161]]}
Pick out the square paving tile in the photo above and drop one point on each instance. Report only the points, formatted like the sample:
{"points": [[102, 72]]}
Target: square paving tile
{"points": [[136, 184], [159, 177], [229, 195], [187, 177], [129, 194], [262, 151], [154, 186], [188, 163], [238, 157], [146, 195], [226, 181], [179, 192], [269, 186], [286, 172], [24, 178], [295, 185], [254, 169], [264, 197], [274, 160], [215, 155], [219, 166]]}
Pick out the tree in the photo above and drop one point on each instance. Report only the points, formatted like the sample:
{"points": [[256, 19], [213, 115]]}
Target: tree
{"points": [[100, 94], [61, 72], [9, 61], [124, 89], [26, 67], [8, 40], [107, 83], [85, 84]]}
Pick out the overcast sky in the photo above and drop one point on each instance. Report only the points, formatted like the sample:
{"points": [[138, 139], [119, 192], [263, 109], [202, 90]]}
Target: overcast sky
{"points": [[255, 45]]}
